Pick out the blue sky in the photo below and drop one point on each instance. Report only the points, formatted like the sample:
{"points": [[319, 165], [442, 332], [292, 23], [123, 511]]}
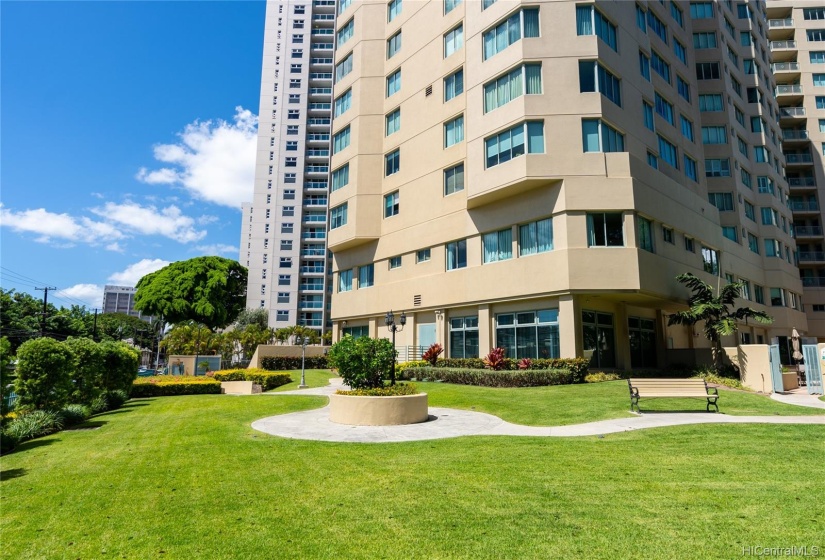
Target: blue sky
{"points": [[128, 138]]}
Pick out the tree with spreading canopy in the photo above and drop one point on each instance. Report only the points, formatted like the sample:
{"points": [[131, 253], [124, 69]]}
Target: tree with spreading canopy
{"points": [[207, 290], [718, 313]]}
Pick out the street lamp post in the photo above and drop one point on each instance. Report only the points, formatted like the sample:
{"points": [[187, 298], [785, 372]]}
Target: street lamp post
{"points": [[389, 320], [303, 341]]}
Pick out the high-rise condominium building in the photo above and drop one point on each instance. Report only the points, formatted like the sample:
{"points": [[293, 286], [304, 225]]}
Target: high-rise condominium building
{"points": [[797, 41], [121, 299], [283, 232], [534, 175]]}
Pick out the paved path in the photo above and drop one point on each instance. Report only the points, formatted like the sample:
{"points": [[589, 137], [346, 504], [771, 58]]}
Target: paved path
{"points": [[448, 423], [799, 399]]}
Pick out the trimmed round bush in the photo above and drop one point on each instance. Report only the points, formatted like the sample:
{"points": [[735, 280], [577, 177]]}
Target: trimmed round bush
{"points": [[88, 365], [43, 372], [74, 414], [121, 363]]}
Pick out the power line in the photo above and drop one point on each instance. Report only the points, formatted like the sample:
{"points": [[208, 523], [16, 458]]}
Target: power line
{"points": [[22, 279]]}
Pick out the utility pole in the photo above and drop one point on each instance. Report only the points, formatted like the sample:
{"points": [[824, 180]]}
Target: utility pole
{"points": [[45, 301]]}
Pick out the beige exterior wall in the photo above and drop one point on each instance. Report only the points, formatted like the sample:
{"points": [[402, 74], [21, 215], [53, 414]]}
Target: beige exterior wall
{"points": [[803, 140], [562, 182]]}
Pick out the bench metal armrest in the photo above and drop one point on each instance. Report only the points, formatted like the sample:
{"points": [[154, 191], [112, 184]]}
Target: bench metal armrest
{"points": [[714, 389]]}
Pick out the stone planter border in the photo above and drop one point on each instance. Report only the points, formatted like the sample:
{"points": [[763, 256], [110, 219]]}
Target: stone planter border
{"points": [[378, 411]]}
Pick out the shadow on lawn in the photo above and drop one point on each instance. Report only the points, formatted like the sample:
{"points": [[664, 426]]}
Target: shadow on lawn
{"points": [[35, 443], [682, 411], [8, 474], [88, 425]]}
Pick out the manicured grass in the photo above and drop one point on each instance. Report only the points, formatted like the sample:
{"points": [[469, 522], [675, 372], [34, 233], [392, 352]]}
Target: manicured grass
{"points": [[314, 378], [186, 477], [574, 404]]}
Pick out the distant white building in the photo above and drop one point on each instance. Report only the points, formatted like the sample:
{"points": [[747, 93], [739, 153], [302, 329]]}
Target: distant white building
{"points": [[121, 299]]}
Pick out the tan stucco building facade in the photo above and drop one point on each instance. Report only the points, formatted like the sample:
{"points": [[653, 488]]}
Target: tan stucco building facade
{"points": [[535, 175]]}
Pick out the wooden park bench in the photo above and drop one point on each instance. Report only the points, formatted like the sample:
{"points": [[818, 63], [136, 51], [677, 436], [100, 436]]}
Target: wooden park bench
{"points": [[671, 388]]}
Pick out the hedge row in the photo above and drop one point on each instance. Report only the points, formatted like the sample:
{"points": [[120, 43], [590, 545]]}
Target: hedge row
{"points": [[280, 363], [576, 366], [490, 378], [168, 386], [268, 380]]}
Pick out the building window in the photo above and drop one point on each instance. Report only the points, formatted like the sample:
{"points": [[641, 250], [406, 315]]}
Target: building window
{"points": [[343, 68], [714, 135], [449, 5], [283, 297], [687, 127], [707, 71], [536, 237], [340, 177], [677, 14], [530, 334], [647, 110], [291, 146], [689, 245], [706, 40], [454, 179], [701, 10], [777, 297], [657, 26], [717, 168], [392, 163], [598, 136], [525, 79], [392, 122], [710, 102], [590, 20], [668, 152], [291, 162], [456, 254], [395, 262], [683, 88], [341, 140], [393, 45], [295, 68], [391, 206], [343, 5], [691, 171], [710, 260], [524, 23], [605, 230], [464, 337], [283, 279], [453, 40], [345, 33], [753, 243], [291, 130], [510, 143], [422, 255], [645, 234], [644, 65], [281, 315], [343, 103], [772, 248], [641, 17], [497, 245], [366, 276], [287, 227], [393, 82], [454, 131], [454, 85], [393, 10], [664, 108], [345, 280], [668, 235], [730, 233], [285, 262], [338, 216], [595, 77]]}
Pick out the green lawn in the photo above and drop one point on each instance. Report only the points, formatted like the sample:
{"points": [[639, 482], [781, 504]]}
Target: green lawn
{"points": [[574, 404], [187, 478], [314, 378]]}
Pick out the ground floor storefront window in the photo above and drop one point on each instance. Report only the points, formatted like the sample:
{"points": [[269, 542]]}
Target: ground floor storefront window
{"points": [[529, 334], [599, 338], [642, 334], [464, 337], [357, 332]]}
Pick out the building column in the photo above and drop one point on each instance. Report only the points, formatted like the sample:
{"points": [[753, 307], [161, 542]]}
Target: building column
{"points": [[570, 332], [622, 337], [485, 330]]}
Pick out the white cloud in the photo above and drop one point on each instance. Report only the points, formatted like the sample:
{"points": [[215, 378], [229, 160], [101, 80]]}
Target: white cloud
{"points": [[217, 249], [136, 271], [49, 225], [149, 220], [90, 294], [214, 160]]}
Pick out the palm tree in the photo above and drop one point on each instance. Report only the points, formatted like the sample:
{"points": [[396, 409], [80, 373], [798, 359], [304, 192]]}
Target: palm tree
{"points": [[720, 317]]}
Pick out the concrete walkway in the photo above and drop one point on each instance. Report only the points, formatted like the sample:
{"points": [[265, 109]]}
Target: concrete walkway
{"points": [[799, 397], [449, 423]]}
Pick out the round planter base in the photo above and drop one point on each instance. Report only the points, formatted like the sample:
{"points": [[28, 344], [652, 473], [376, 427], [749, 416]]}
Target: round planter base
{"points": [[378, 411]]}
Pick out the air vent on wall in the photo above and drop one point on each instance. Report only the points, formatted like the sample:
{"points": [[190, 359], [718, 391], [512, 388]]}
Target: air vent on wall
{"points": [[428, 90], [416, 301]]}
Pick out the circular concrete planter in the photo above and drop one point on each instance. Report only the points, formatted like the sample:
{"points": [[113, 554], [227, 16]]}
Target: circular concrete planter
{"points": [[378, 411]]}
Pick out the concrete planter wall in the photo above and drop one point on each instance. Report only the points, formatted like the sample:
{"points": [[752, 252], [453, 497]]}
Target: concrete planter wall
{"points": [[378, 411]]}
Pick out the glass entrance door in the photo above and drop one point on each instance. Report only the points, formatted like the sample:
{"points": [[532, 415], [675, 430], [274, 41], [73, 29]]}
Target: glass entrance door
{"points": [[599, 338]]}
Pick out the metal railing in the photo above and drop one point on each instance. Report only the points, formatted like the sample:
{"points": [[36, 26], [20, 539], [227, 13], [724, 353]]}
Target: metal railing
{"points": [[794, 134], [787, 22], [788, 89], [801, 182], [777, 45], [798, 158], [801, 206], [811, 256], [808, 231], [792, 111], [785, 66], [813, 282], [314, 235]]}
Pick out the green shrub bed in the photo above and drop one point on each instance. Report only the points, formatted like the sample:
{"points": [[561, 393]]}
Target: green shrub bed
{"points": [[280, 363], [490, 378], [577, 367], [397, 390], [268, 380], [600, 376], [168, 386]]}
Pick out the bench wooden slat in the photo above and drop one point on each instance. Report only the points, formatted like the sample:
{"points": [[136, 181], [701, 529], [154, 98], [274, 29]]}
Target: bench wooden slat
{"points": [[670, 388]]}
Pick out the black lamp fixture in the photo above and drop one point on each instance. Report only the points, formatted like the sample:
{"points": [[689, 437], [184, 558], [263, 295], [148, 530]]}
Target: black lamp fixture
{"points": [[389, 320]]}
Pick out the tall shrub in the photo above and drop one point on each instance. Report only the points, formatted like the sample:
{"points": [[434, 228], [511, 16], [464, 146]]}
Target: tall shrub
{"points": [[120, 365], [44, 369], [88, 368], [363, 363], [5, 371]]}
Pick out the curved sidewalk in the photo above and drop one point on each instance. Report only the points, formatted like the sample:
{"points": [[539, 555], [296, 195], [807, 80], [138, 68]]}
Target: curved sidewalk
{"points": [[448, 423], [799, 399]]}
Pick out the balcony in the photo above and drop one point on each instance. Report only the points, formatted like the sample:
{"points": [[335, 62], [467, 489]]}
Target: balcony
{"points": [[798, 159], [311, 322], [803, 206], [813, 282], [782, 45], [785, 67], [789, 89], [319, 252], [791, 112], [311, 269], [312, 305], [801, 182], [318, 153], [314, 185], [319, 169], [314, 235], [315, 202], [811, 256], [808, 231], [794, 134], [780, 23]]}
